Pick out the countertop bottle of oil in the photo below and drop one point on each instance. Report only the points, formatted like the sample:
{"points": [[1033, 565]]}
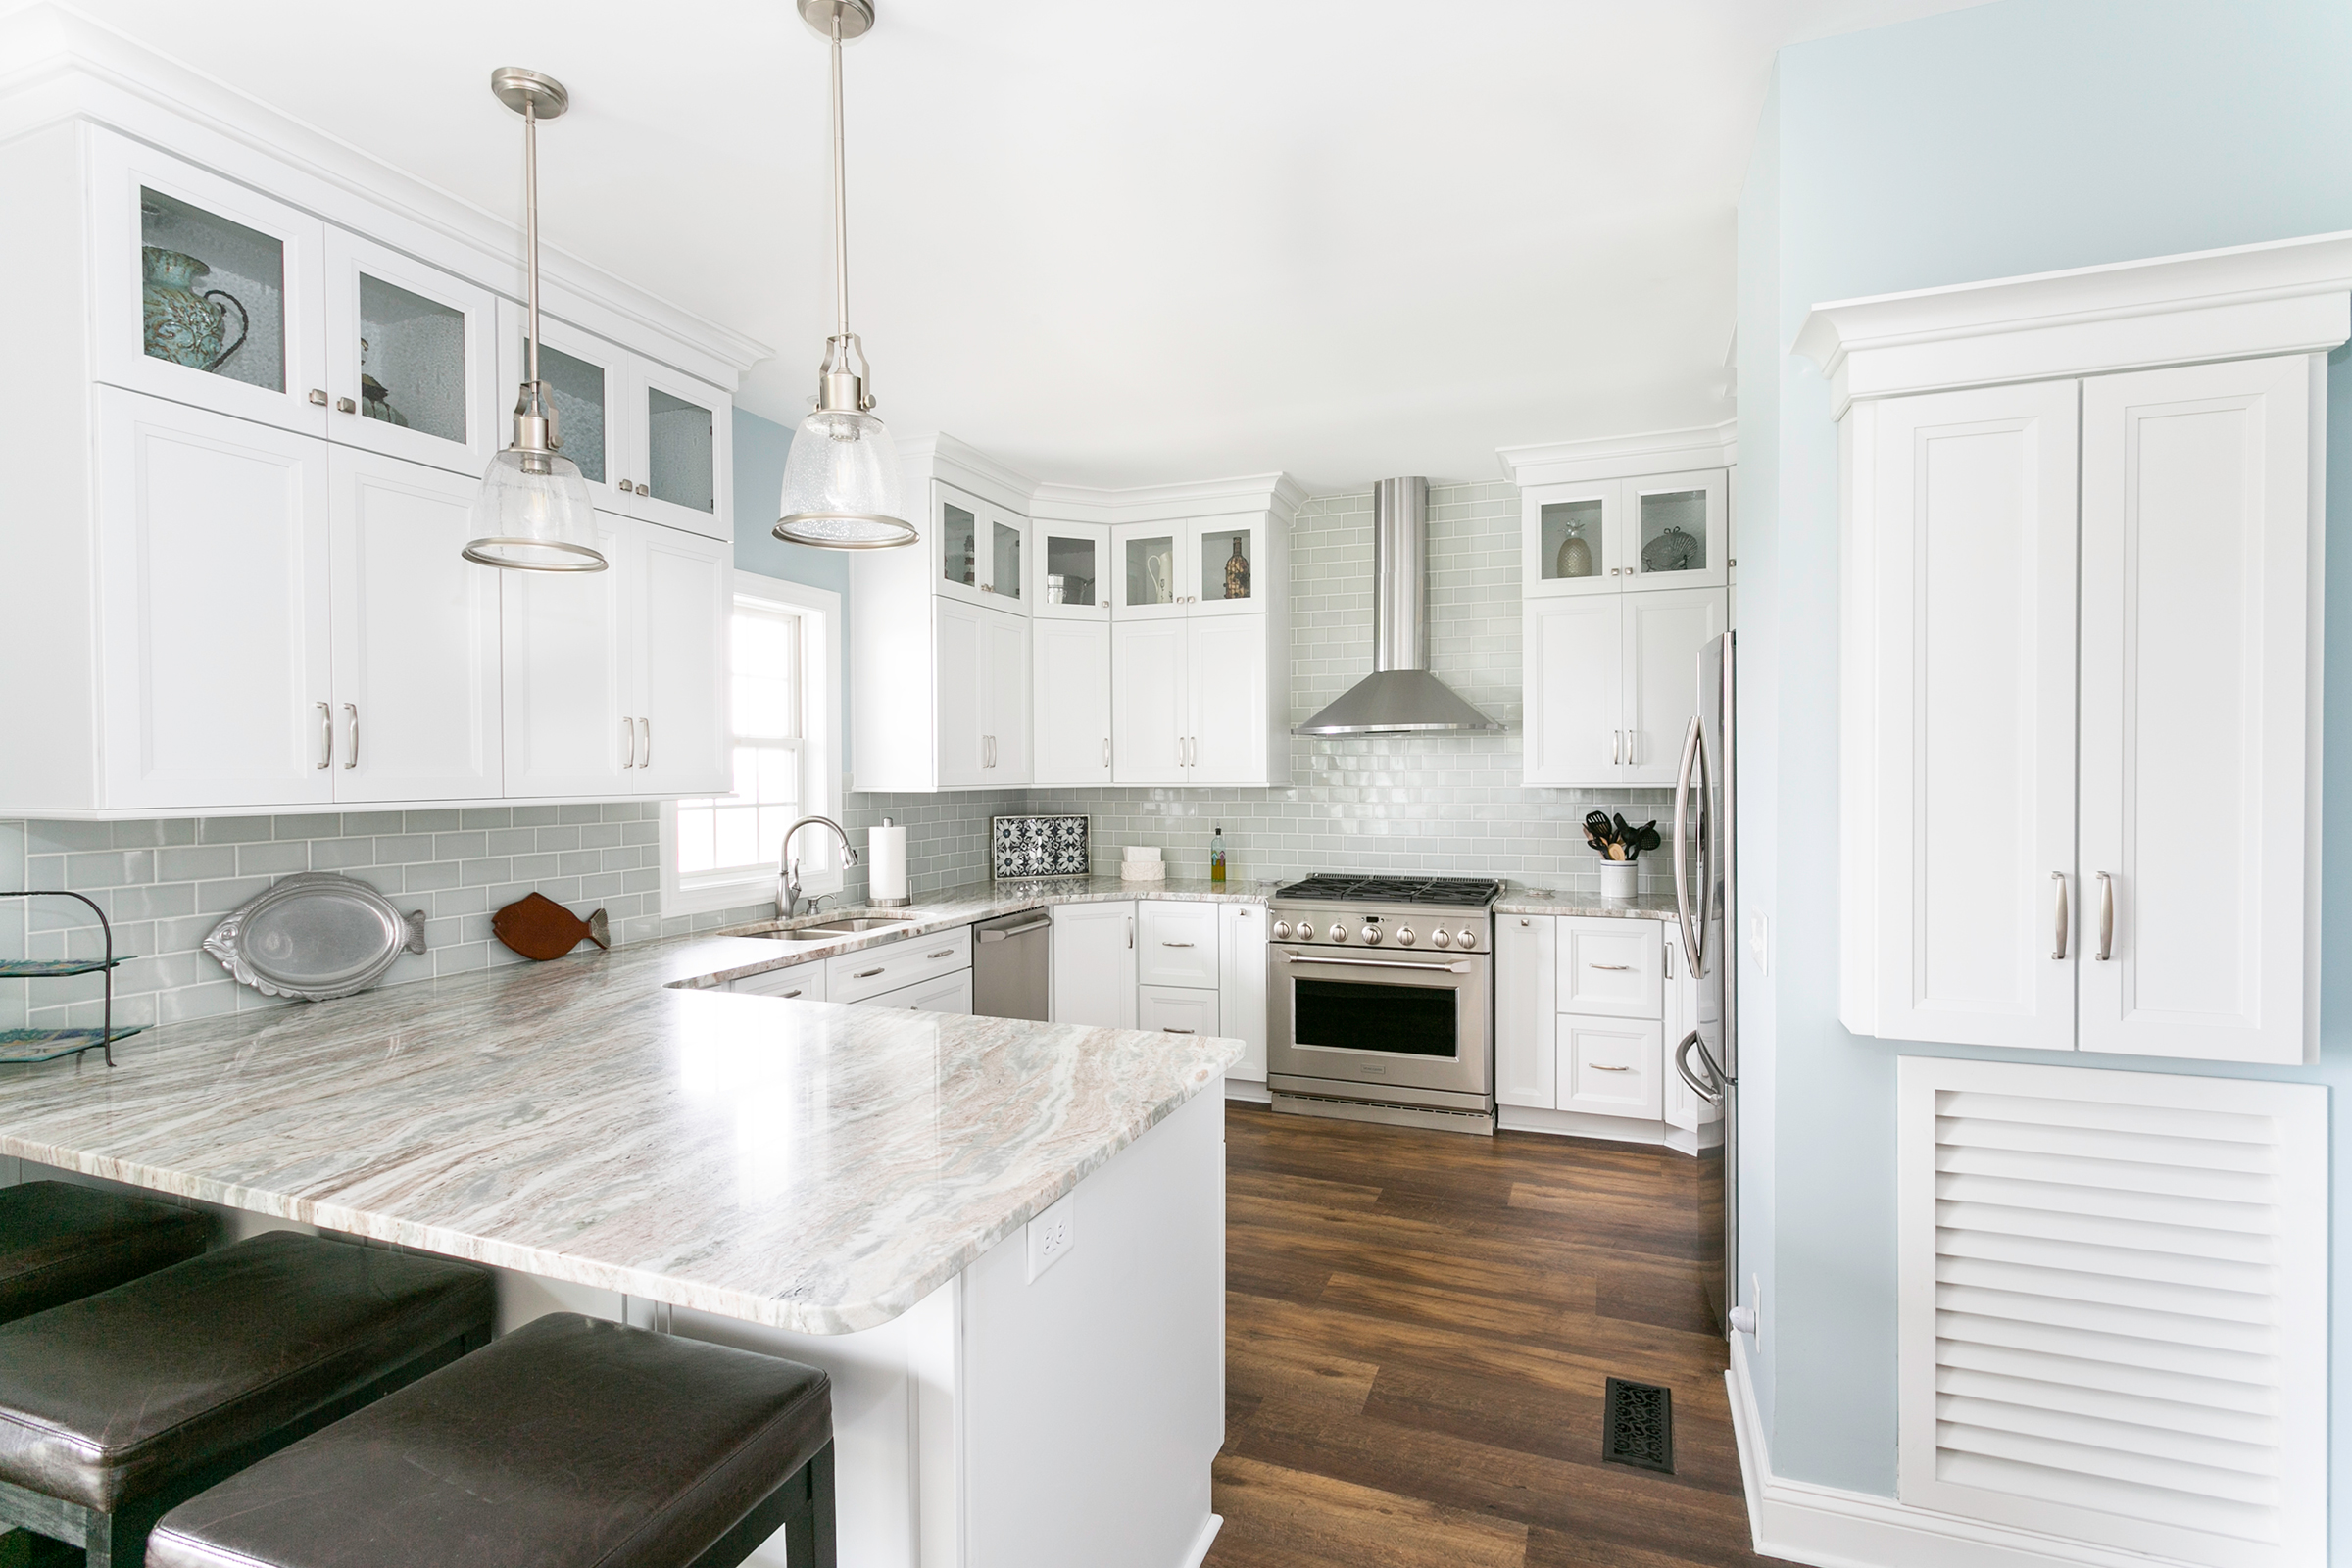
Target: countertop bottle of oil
{"points": [[1217, 855]]}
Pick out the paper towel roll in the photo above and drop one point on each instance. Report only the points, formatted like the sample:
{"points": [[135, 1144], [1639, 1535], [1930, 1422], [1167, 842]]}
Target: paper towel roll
{"points": [[886, 864]]}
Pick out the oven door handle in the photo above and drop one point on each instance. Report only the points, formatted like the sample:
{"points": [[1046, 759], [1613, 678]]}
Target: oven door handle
{"points": [[1377, 963]]}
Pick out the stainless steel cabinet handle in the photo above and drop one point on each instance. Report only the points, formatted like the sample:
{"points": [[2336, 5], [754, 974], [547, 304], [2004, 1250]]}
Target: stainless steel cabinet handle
{"points": [[1131, 932], [1377, 963], [1175, 944], [793, 991], [628, 741], [1620, 967], [327, 737], [944, 952], [1000, 933], [1171, 1029], [319, 396], [644, 733], [867, 974], [1599, 1066], [1616, 747], [1105, 751], [1631, 736], [346, 405], [2106, 915], [2058, 950], [351, 735]]}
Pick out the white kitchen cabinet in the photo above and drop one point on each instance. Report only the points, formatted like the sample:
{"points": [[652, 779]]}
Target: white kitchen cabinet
{"points": [[1241, 986], [213, 546], [1194, 703], [1094, 970], [412, 359], [1609, 966], [415, 631], [983, 687], [1176, 942], [1189, 568], [1068, 572], [1149, 713], [1609, 1066], [684, 589], [979, 550], [2074, 812], [800, 982], [1611, 536], [1612, 682], [1683, 1109], [1664, 630], [890, 967], [1070, 706], [949, 993], [1526, 1009], [1176, 1010], [568, 676]]}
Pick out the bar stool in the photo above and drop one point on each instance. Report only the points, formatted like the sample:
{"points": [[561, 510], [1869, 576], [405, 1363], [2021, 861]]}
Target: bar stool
{"points": [[60, 1242], [568, 1440], [118, 1406]]}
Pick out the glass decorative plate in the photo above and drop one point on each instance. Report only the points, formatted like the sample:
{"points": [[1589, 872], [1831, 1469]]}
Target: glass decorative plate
{"points": [[314, 936]]}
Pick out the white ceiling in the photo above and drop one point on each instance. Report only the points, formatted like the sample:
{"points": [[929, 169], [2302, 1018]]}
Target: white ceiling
{"points": [[1113, 242]]}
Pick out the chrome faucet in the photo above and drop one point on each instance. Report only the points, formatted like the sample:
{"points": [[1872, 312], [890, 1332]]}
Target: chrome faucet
{"points": [[788, 885]]}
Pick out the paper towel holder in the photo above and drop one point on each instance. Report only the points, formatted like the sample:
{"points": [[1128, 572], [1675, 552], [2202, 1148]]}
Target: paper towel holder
{"points": [[883, 904]]}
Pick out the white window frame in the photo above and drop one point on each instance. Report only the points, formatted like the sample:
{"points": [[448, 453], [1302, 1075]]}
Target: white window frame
{"points": [[821, 758]]}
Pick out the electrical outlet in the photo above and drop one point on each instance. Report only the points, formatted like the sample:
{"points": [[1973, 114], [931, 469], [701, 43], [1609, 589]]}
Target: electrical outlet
{"points": [[1051, 1235]]}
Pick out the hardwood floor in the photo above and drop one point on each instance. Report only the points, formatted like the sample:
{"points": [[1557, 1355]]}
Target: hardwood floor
{"points": [[1418, 1329]]}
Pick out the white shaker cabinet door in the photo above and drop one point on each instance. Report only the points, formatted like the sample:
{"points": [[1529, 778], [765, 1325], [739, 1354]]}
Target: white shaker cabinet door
{"points": [[1241, 984], [1524, 1008], [1575, 689], [213, 564], [1664, 630], [1609, 1066], [1225, 683], [685, 587], [1005, 699], [569, 673], [1176, 942], [415, 635], [1961, 690], [957, 645], [1072, 713], [2198, 583], [1148, 711], [1093, 965]]}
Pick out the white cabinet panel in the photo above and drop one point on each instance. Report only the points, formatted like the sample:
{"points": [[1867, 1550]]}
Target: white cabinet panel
{"points": [[1225, 695], [1147, 717], [1004, 697], [1176, 1010], [1966, 709], [1069, 571], [2197, 585], [1575, 681], [949, 993], [685, 597], [415, 635], [894, 965], [1524, 1008], [427, 343], [1176, 942], [1572, 540], [568, 674], [1072, 709], [800, 982], [1241, 984], [1609, 965], [1609, 1066], [1093, 964], [1664, 630], [980, 550], [962, 752], [213, 546], [681, 456], [587, 380]]}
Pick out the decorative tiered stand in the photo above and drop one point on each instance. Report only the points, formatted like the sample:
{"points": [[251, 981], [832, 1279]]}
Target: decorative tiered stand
{"points": [[18, 1046]]}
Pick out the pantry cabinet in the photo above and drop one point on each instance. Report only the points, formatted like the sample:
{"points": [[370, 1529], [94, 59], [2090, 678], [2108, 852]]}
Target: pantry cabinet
{"points": [[1611, 683]]}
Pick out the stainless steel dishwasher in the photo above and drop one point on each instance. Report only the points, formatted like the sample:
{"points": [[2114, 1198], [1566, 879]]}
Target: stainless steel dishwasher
{"points": [[1009, 965]]}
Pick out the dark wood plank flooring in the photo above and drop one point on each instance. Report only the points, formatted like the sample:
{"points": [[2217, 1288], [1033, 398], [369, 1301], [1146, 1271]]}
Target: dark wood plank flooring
{"points": [[1418, 1329]]}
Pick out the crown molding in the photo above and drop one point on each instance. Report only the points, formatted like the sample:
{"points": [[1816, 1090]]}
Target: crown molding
{"points": [[941, 455], [2291, 296], [1622, 457], [62, 65], [1156, 503]]}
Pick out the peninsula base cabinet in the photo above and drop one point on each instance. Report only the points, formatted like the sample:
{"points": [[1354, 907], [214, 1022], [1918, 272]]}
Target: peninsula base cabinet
{"points": [[1587, 1009], [1184, 965], [1092, 964]]}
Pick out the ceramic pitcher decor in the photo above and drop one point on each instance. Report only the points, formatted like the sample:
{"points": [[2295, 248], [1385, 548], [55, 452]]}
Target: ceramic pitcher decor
{"points": [[182, 323]]}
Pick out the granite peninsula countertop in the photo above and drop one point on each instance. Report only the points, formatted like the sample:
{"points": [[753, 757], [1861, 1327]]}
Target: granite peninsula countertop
{"points": [[1520, 899], [611, 1120]]}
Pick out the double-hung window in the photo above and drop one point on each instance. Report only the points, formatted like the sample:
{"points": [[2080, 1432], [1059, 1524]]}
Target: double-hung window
{"points": [[724, 852]]}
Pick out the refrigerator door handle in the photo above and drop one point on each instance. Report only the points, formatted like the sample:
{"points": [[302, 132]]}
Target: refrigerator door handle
{"points": [[1695, 761], [1681, 1063]]}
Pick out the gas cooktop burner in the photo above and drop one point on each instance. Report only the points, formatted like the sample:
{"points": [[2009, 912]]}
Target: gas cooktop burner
{"points": [[1452, 892]]}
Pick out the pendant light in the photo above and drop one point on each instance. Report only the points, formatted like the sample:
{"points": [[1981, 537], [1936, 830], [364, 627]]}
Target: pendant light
{"points": [[841, 480], [532, 512]]}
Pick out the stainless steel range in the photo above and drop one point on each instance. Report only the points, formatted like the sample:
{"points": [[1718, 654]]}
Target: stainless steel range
{"points": [[1379, 999]]}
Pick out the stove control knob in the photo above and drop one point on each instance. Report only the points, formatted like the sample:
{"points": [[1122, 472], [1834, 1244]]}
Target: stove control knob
{"points": [[1339, 932], [1440, 938], [1467, 937], [1405, 936], [1282, 930], [1372, 935]]}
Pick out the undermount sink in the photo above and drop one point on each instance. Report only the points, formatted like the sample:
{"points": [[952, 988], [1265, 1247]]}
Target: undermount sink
{"points": [[841, 928]]}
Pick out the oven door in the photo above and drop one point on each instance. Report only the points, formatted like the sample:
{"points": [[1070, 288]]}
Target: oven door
{"points": [[1355, 1026]]}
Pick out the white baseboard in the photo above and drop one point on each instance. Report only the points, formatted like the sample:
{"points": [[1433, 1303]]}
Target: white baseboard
{"points": [[1201, 1543], [1828, 1527], [1245, 1089], [1583, 1124]]}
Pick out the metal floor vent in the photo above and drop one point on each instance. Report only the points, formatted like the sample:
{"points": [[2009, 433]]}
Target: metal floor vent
{"points": [[1637, 1426]]}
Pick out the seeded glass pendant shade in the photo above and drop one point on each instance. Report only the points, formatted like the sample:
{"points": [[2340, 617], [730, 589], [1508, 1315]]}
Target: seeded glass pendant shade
{"points": [[532, 512], [841, 480]]}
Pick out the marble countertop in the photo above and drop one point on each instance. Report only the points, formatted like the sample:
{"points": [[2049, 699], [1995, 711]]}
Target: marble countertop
{"points": [[610, 1120], [1518, 898]]}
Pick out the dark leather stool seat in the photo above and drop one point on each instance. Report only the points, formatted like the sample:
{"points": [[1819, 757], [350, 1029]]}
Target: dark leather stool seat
{"points": [[120, 1404], [568, 1441], [60, 1242]]}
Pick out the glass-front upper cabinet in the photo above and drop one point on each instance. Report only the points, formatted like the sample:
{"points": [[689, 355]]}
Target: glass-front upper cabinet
{"points": [[683, 433], [206, 293], [981, 549], [1677, 523], [1571, 539], [1067, 577], [1147, 563], [585, 379], [1620, 535], [1223, 560], [411, 358]]}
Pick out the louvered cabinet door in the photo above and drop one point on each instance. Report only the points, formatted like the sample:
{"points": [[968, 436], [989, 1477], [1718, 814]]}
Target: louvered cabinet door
{"points": [[2112, 1320]]}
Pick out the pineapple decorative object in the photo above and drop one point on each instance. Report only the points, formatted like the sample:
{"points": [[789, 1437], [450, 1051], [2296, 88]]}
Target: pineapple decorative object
{"points": [[1236, 572], [1575, 558]]}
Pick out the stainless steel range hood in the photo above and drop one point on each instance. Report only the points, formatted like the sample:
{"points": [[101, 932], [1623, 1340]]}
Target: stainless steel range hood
{"points": [[1400, 697]]}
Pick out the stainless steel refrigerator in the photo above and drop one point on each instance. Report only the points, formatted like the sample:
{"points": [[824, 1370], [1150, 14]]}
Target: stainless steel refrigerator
{"points": [[1706, 893]]}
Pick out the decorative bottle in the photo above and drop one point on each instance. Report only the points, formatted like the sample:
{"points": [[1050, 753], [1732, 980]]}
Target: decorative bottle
{"points": [[1236, 572], [1217, 855]]}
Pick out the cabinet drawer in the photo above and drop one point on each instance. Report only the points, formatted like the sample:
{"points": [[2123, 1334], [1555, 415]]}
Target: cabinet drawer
{"points": [[1609, 1067], [1176, 943], [946, 993], [1176, 1010], [856, 976], [803, 982], [1610, 966]]}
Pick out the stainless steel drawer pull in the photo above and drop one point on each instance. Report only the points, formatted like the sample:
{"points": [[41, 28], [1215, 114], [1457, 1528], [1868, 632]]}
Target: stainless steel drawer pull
{"points": [[1000, 933], [1173, 1030], [793, 991], [944, 952], [1175, 944], [1614, 968], [1604, 1068], [867, 974]]}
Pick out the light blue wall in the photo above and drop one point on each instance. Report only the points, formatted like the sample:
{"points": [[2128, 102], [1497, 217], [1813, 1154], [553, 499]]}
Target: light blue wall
{"points": [[760, 447], [2007, 138]]}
